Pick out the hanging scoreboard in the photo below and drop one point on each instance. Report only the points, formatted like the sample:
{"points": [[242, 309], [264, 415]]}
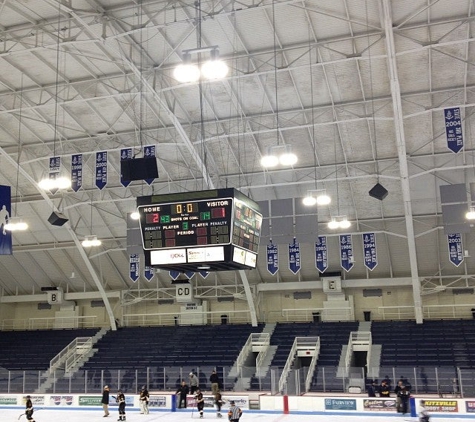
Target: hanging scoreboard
{"points": [[209, 230]]}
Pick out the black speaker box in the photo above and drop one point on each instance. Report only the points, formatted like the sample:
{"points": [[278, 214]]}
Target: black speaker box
{"points": [[139, 169], [57, 219], [378, 191]]}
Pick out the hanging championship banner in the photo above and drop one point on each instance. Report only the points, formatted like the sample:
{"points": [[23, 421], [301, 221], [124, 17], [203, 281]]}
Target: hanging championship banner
{"points": [[272, 258], [76, 172], [101, 169], [125, 154], [5, 213], [148, 272], [453, 129], [189, 274], [294, 257], [204, 273], [346, 252], [321, 254], [369, 251], [54, 169], [134, 267], [455, 248], [174, 274], [148, 152]]}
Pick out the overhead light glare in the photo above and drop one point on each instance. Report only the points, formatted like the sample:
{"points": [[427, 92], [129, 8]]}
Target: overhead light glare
{"points": [[15, 225], [288, 159], [309, 201], [333, 224], [91, 241], [214, 69], [339, 223], [135, 215], [49, 183], [323, 199], [186, 73], [268, 161], [470, 215]]}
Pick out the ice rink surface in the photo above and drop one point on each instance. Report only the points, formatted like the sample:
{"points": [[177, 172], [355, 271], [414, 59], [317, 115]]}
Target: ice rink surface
{"points": [[72, 415]]}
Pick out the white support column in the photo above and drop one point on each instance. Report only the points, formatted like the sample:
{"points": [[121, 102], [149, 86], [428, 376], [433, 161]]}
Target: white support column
{"points": [[387, 24]]}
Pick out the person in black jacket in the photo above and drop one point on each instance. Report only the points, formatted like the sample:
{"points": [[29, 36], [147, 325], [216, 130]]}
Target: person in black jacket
{"points": [[105, 400], [183, 391], [29, 409], [403, 398], [214, 380], [120, 399], [384, 390]]}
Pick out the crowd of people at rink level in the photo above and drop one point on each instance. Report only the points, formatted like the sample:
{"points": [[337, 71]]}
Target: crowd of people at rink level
{"points": [[234, 412], [403, 393]]}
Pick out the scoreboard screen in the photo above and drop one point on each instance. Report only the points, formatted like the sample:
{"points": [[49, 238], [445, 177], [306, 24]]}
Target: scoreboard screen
{"points": [[200, 227], [193, 223]]}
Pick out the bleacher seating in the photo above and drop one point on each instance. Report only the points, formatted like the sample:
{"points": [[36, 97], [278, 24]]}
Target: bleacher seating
{"points": [[33, 350], [333, 335], [164, 350]]}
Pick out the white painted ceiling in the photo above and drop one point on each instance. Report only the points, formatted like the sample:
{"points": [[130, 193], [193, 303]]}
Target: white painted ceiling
{"points": [[356, 87]]}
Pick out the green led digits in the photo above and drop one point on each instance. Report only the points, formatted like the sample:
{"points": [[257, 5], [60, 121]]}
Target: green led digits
{"points": [[185, 225], [164, 219], [206, 215]]}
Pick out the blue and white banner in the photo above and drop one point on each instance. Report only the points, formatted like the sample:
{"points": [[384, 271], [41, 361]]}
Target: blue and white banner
{"points": [[54, 169], [148, 273], [134, 267], [272, 258], [125, 154], [204, 273], [76, 172], [101, 169], [5, 213], [346, 252], [174, 274], [148, 152], [321, 254], [455, 248], [189, 274], [294, 257], [369, 251], [453, 129]]}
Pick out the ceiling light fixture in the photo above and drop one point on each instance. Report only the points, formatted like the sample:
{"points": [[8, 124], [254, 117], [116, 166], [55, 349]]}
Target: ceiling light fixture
{"points": [[213, 69], [316, 197], [339, 222], [470, 215], [16, 223], [54, 181], [91, 241], [135, 215], [278, 154]]}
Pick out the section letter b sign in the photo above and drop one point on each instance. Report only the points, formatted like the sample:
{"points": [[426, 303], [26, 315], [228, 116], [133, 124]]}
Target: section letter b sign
{"points": [[55, 297]]}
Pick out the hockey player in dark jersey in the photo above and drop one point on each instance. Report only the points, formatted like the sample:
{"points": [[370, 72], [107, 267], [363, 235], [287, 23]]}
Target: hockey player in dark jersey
{"points": [[120, 399], [218, 401], [29, 409], [200, 402]]}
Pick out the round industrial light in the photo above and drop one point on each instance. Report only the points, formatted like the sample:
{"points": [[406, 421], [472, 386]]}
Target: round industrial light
{"points": [[309, 200], [288, 159], [135, 215], [186, 73], [323, 199], [333, 224], [470, 215], [214, 69], [269, 161], [344, 224]]}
